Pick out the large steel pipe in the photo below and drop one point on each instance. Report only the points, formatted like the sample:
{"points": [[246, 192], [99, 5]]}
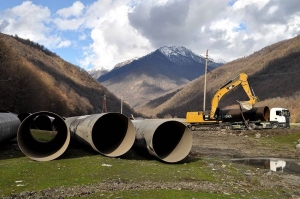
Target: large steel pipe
{"points": [[255, 114], [39, 149], [9, 124], [110, 134], [168, 140]]}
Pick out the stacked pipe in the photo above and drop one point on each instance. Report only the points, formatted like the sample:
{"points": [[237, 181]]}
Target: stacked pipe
{"points": [[255, 114], [9, 124], [168, 140], [110, 134]]}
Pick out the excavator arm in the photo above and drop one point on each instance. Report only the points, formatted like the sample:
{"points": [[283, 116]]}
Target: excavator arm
{"points": [[242, 80]]}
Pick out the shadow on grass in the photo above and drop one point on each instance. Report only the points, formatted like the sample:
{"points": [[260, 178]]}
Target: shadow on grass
{"points": [[78, 151], [140, 154], [10, 149]]}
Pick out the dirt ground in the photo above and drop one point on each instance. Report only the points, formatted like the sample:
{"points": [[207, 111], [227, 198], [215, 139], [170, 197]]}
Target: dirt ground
{"points": [[221, 145], [240, 144]]}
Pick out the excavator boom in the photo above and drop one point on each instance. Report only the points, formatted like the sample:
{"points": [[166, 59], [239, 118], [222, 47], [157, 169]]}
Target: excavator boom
{"points": [[242, 80]]}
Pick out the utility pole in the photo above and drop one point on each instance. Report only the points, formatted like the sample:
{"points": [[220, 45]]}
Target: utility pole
{"points": [[121, 104], [204, 90], [104, 109]]}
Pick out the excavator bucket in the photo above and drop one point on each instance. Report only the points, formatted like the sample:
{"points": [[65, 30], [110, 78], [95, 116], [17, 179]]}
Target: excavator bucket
{"points": [[245, 105]]}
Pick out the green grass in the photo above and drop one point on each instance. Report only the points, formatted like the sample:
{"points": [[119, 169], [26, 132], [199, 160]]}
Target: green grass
{"points": [[281, 142], [78, 167], [289, 140], [43, 135]]}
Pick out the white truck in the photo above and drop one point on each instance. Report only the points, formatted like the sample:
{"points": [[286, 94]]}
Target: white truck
{"points": [[277, 118]]}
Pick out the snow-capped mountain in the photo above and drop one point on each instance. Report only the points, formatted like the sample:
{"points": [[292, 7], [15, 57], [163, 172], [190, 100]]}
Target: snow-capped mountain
{"points": [[182, 55], [96, 72], [146, 78], [124, 63]]}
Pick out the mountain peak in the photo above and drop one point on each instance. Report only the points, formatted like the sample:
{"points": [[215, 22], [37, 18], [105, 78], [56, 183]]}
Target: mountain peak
{"points": [[97, 72], [174, 50], [181, 55], [125, 62]]}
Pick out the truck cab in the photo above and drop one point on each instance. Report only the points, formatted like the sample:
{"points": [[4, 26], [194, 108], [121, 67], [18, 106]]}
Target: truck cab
{"points": [[280, 118]]}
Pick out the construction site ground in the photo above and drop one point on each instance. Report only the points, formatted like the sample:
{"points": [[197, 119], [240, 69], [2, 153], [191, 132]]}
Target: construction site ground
{"points": [[254, 144], [244, 143]]}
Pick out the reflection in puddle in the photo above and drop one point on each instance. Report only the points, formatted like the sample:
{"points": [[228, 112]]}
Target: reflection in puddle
{"points": [[274, 164]]}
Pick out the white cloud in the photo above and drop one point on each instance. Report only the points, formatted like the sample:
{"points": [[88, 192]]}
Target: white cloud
{"points": [[29, 25], [74, 10], [63, 44], [70, 18], [272, 10], [68, 24], [114, 40], [82, 37], [259, 4], [33, 25]]}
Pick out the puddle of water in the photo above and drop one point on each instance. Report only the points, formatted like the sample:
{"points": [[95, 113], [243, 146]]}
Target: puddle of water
{"points": [[274, 164]]}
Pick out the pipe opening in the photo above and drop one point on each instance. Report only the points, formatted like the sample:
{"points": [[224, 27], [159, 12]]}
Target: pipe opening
{"points": [[172, 141], [266, 114], [113, 134], [43, 122], [43, 144]]}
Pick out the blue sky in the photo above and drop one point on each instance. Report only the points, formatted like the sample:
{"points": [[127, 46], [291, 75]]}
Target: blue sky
{"points": [[100, 34]]}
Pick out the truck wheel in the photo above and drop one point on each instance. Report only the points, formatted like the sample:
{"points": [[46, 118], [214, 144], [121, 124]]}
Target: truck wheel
{"points": [[252, 126], [274, 126]]}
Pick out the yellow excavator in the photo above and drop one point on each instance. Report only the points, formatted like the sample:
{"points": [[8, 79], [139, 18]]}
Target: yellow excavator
{"points": [[194, 119]]}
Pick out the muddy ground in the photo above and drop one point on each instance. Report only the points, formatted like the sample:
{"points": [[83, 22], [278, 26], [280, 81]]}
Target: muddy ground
{"points": [[220, 145], [242, 143]]}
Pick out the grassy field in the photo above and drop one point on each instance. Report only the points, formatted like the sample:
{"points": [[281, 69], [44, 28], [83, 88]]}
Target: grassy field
{"points": [[82, 173], [79, 168]]}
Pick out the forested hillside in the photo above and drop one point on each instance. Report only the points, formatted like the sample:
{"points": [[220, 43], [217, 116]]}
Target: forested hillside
{"points": [[273, 73], [35, 79]]}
